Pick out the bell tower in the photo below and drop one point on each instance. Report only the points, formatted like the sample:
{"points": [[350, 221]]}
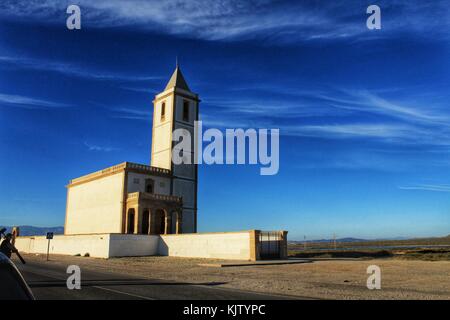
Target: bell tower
{"points": [[177, 107]]}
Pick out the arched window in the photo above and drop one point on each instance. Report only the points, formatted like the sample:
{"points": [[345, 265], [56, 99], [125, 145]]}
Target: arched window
{"points": [[158, 222], [145, 222], [163, 111], [186, 110], [130, 222]]}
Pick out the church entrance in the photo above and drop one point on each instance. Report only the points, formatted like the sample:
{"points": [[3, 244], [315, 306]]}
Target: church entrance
{"points": [[153, 214], [159, 223]]}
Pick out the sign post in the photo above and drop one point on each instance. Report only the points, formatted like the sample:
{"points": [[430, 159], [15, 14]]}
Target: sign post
{"points": [[49, 237]]}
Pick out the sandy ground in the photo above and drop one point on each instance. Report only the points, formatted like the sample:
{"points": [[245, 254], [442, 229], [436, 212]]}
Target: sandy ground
{"points": [[401, 279]]}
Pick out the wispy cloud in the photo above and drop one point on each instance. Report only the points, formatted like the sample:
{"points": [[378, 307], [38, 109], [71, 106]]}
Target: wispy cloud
{"points": [[120, 112], [20, 101], [359, 159], [140, 89], [93, 147], [353, 130], [365, 101], [132, 114], [232, 19], [284, 107], [427, 187], [334, 113], [74, 70]]}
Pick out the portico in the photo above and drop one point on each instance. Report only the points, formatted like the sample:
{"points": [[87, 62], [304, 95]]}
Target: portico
{"points": [[153, 214]]}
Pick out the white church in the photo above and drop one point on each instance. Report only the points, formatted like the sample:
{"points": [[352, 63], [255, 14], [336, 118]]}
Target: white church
{"points": [[140, 199], [135, 209]]}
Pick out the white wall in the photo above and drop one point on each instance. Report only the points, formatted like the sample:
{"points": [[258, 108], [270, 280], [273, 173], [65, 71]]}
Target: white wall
{"points": [[162, 184], [228, 245], [95, 206], [162, 134], [133, 245], [98, 246], [185, 189], [188, 221], [95, 245], [185, 170]]}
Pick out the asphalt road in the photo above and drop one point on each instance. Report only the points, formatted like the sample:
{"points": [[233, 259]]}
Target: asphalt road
{"points": [[48, 282]]}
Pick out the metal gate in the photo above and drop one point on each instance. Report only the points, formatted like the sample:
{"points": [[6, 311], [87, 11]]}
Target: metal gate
{"points": [[270, 244]]}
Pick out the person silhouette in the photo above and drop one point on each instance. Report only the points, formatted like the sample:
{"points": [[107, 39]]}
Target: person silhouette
{"points": [[6, 247]]}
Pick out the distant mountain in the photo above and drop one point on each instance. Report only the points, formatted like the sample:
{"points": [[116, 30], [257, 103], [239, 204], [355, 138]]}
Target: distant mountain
{"points": [[36, 231], [331, 240], [394, 238], [349, 239]]}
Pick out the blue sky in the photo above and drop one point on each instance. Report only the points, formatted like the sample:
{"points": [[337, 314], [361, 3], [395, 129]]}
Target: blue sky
{"points": [[363, 114]]}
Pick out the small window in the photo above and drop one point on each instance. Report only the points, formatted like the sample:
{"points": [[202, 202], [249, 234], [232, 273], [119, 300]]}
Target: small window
{"points": [[149, 183], [163, 111], [186, 111], [136, 180]]}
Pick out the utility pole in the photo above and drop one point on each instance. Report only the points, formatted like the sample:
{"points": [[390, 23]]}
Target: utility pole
{"points": [[304, 242]]}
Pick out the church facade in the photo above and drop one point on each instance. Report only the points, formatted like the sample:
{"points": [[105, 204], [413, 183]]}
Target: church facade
{"points": [[131, 198], [133, 209]]}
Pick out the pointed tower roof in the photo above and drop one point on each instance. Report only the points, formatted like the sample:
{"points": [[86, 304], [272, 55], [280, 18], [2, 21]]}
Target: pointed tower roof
{"points": [[177, 81]]}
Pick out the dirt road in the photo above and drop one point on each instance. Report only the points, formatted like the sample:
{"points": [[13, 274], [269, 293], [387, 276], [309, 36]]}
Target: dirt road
{"points": [[401, 279]]}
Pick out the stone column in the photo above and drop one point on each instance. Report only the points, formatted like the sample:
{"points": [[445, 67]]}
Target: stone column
{"points": [[283, 245], [136, 219], [140, 218], [153, 220], [168, 223], [150, 219], [179, 222], [254, 245]]}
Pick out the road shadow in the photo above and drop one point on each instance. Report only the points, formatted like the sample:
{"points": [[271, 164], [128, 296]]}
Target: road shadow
{"points": [[119, 282]]}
